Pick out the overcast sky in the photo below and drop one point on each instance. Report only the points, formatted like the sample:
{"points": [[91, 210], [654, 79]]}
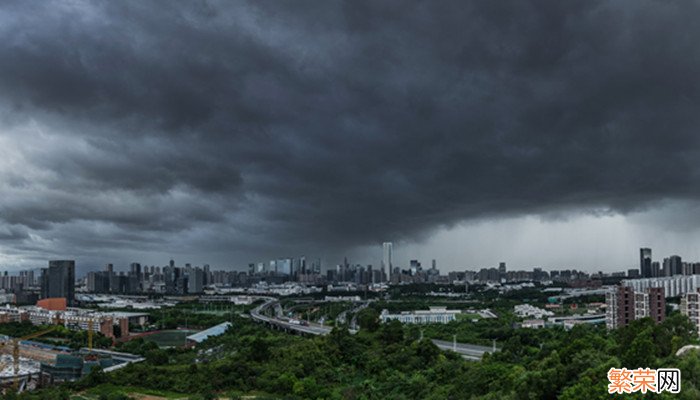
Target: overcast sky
{"points": [[543, 133]]}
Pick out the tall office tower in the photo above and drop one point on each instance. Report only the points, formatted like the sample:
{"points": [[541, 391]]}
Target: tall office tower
{"points": [[195, 280], [169, 279], [645, 262], [91, 278], [135, 269], [58, 280], [207, 275], [655, 269], [109, 268], [284, 266], [251, 269], [624, 305], [172, 264], [302, 265], [502, 269], [666, 268], [687, 268], [296, 268], [676, 265], [387, 263]]}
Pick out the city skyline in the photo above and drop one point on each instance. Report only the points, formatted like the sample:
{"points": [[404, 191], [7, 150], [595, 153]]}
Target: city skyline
{"points": [[647, 265], [230, 132]]}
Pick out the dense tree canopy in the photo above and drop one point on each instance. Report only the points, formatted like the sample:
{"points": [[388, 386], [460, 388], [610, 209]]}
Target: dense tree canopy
{"points": [[389, 361]]}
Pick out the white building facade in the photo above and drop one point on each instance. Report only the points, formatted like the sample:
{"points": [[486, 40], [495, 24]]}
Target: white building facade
{"points": [[435, 315], [677, 285]]}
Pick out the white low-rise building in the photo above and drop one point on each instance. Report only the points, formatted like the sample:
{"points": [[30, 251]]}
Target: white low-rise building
{"points": [[435, 315], [527, 310], [533, 323]]}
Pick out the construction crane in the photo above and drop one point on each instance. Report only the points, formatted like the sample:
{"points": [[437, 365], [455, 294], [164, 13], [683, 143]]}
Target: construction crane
{"points": [[15, 350]]}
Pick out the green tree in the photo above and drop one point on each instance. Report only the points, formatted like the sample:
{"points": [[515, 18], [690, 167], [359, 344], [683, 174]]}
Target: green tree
{"points": [[368, 319]]}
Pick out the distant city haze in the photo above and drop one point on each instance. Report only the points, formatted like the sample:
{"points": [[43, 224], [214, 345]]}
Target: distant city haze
{"points": [[229, 133]]}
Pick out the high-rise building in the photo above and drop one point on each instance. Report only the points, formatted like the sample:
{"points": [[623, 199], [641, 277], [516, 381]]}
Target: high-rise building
{"points": [[135, 269], [415, 267], [195, 280], [690, 307], [387, 262], [676, 265], [624, 305], [502, 269], [645, 262], [58, 280]]}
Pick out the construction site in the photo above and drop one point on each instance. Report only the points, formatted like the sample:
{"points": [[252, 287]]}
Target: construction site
{"points": [[26, 364]]}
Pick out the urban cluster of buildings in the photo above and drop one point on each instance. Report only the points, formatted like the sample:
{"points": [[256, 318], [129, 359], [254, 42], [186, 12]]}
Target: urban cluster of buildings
{"points": [[501, 275], [59, 280], [54, 311], [673, 265], [168, 279], [644, 294]]}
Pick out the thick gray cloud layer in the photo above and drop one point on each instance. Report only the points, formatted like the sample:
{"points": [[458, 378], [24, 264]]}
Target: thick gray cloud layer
{"points": [[232, 130]]}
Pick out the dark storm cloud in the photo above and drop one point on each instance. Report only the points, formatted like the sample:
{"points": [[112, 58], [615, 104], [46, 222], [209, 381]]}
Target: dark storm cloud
{"points": [[247, 127]]}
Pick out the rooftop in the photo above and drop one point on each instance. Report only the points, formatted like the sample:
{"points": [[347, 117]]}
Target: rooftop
{"points": [[216, 330]]}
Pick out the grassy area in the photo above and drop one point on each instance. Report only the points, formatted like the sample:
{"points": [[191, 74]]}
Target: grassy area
{"points": [[172, 338], [213, 312], [149, 394]]}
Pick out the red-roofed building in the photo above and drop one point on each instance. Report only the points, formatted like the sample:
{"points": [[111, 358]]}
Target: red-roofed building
{"points": [[53, 304]]}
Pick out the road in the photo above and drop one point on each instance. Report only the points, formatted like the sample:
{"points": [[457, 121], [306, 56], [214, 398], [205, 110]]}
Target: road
{"points": [[342, 317], [468, 351]]}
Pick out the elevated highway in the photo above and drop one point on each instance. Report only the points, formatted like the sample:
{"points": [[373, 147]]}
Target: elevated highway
{"points": [[278, 322], [468, 351]]}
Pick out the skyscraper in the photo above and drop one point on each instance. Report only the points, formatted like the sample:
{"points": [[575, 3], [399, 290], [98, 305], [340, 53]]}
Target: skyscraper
{"points": [[655, 269], [676, 264], [645, 262], [387, 257], [195, 280], [58, 280], [135, 269]]}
